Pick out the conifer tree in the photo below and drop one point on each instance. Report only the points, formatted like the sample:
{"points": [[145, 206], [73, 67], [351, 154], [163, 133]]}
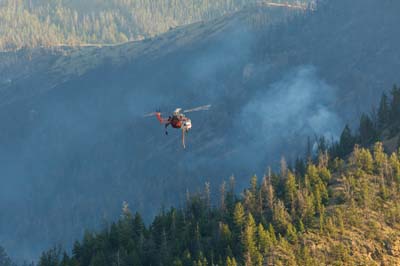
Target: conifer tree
{"points": [[251, 254], [290, 191], [223, 196], [4, 258], [300, 167], [268, 197], [347, 142], [51, 257], [231, 261], [363, 160], [395, 164], [225, 237], [305, 207], [250, 196], [239, 223], [367, 130], [239, 217], [284, 168], [264, 240], [281, 218], [272, 234], [383, 112], [379, 158], [395, 105]]}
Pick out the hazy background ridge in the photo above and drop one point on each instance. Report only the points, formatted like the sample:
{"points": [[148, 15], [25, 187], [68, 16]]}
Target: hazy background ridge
{"points": [[75, 145]]}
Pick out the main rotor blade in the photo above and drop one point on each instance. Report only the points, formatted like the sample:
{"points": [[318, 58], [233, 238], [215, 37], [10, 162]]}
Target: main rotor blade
{"points": [[151, 114], [200, 108]]}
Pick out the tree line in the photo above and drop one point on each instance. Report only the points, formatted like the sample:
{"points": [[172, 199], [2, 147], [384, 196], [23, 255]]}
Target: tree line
{"points": [[383, 123]]}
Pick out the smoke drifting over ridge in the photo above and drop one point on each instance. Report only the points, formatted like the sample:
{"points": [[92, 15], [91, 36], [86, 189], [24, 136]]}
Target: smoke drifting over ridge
{"points": [[277, 120], [102, 152], [88, 148]]}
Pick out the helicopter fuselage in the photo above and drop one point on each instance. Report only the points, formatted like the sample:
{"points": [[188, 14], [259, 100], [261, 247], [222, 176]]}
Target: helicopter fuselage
{"points": [[180, 121], [176, 122]]}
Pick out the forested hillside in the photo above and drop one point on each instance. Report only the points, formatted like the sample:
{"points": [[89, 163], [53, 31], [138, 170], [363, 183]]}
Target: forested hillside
{"points": [[323, 211], [33, 23], [75, 145], [344, 214], [5, 260]]}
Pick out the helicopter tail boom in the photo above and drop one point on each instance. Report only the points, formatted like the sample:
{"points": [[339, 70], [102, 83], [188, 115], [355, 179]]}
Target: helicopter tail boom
{"points": [[159, 118]]}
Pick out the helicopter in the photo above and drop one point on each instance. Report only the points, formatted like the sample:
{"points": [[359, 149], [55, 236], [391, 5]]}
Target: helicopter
{"points": [[178, 119]]}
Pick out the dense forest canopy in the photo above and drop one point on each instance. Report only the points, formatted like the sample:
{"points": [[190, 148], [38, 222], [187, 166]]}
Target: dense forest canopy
{"points": [[32, 23], [83, 101], [325, 210]]}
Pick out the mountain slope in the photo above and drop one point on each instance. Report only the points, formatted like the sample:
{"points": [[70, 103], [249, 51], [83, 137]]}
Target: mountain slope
{"points": [[73, 136], [346, 213], [53, 23]]}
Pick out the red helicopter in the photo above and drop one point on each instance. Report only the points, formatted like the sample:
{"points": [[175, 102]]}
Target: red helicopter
{"points": [[178, 120]]}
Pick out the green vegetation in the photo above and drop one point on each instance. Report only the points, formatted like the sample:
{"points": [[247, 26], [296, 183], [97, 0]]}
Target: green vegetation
{"points": [[33, 23], [29, 23], [346, 214], [340, 211], [382, 124], [4, 258]]}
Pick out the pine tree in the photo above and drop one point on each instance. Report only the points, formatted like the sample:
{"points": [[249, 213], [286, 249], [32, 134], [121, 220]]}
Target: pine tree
{"points": [[251, 254], [251, 195], [51, 257], [305, 207], [395, 165], [207, 195], [4, 258], [239, 223], [383, 112], [367, 163], [230, 196], [285, 255], [300, 167], [139, 230], [346, 143], [380, 158], [309, 150], [291, 234], [306, 258], [367, 130], [239, 216], [290, 191], [264, 240], [223, 197], [281, 218], [395, 106], [272, 234], [65, 261], [99, 259], [231, 261], [225, 237], [268, 197], [284, 168]]}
